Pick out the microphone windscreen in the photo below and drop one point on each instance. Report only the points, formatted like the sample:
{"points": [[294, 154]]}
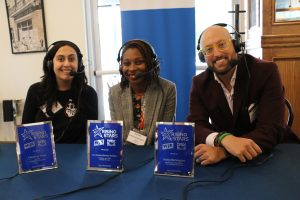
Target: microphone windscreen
{"points": [[233, 62], [72, 73], [139, 74]]}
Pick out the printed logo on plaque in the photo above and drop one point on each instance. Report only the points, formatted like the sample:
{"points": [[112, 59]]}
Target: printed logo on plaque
{"points": [[35, 147], [174, 149], [105, 145]]}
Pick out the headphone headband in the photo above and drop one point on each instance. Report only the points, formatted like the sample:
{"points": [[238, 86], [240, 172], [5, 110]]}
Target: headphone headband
{"points": [[136, 42], [53, 48], [61, 43]]}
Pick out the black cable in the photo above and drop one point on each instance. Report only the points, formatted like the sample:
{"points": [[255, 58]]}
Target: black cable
{"points": [[144, 162], [78, 189], [8, 178], [226, 175], [245, 100], [59, 138]]}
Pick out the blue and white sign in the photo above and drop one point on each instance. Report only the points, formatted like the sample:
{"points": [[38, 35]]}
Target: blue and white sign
{"points": [[35, 147], [105, 145], [174, 152], [169, 26]]}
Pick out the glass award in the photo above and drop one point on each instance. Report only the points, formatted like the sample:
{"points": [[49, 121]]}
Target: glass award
{"points": [[105, 145], [174, 149], [35, 147]]}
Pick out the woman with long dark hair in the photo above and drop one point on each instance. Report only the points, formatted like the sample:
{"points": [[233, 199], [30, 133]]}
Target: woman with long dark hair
{"points": [[62, 96]]}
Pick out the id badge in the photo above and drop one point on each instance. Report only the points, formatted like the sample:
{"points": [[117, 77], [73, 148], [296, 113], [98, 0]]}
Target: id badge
{"points": [[55, 108], [136, 137]]}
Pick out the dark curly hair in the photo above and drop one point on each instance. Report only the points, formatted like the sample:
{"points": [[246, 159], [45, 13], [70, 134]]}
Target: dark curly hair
{"points": [[49, 79], [148, 53]]}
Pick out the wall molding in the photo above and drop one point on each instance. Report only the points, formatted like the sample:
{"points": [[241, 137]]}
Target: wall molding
{"points": [[286, 40]]}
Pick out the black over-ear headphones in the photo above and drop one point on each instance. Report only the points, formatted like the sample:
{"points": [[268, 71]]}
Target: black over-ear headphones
{"points": [[237, 43], [52, 49], [145, 49]]}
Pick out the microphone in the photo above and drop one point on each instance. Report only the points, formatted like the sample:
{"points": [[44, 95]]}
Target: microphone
{"points": [[73, 73], [140, 74], [233, 62]]}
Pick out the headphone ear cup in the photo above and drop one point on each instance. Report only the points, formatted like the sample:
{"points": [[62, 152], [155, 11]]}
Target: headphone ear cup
{"points": [[156, 68], [80, 67], [155, 62], [201, 57], [121, 71], [49, 65], [119, 57], [236, 45]]}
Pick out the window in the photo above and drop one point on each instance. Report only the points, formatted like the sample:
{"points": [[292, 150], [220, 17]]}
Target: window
{"points": [[110, 42], [109, 36], [205, 13], [26, 25], [110, 32]]}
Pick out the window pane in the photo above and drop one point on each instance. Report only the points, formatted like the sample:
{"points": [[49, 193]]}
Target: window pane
{"points": [[205, 13], [110, 35], [108, 81]]}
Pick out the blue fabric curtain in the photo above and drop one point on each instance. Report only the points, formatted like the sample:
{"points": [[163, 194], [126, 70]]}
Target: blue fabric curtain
{"points": [[170, 27]]}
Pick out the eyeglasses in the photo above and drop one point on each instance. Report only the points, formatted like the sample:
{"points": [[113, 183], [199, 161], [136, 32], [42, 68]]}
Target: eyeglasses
{"points": [[127, 63], [221, 46]]}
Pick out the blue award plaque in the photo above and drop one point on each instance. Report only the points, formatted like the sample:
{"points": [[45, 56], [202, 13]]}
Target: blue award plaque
{"points": [[174, 149], [35, 147], [105, 145]]}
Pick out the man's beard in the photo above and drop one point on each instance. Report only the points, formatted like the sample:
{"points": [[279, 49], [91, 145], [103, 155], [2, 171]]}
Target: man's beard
{"points": [[232, 64]]}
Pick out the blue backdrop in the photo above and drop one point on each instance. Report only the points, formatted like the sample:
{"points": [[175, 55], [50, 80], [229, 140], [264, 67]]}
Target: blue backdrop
{"points": [[171, 31]]}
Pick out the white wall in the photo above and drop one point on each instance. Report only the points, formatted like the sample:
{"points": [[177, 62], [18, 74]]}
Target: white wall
{"points": [[64, 21]]}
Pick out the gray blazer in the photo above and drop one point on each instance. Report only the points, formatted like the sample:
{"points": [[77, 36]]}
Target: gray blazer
{"points": [[160, 105]]}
